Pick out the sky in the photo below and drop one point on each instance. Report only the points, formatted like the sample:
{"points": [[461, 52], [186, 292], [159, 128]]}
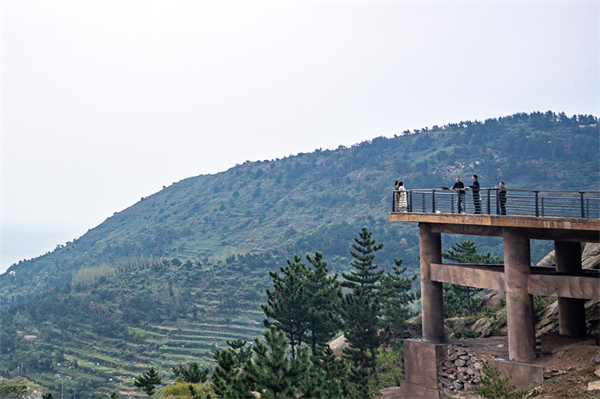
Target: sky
{"points": [[104, 102]]}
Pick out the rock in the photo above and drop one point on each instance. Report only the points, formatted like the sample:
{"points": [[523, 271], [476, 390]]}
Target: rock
{"points": [[338, 345], [502, 319], [465, 357], [547, 374], [453, 358], [549, 260], [483, 326], [476, 381], [468, 386], [459, 363], [590, 258], [494, 299], [417, 320], [458, 385], [594, 385], [461, 370], [597, 372], [461, 352], [470, 371], [478, 365]]}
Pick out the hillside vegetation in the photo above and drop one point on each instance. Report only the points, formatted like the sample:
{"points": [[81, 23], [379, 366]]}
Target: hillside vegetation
{"points": [[174, 276], [318, 201]]}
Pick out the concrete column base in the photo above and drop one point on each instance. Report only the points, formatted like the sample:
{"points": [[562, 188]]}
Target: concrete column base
{"points": [[420, 369]]}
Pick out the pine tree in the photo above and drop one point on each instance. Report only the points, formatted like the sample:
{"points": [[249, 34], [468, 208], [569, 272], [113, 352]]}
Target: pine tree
{"points": [[287, 304], [271, 371], [192, 374], [227, 381], [367, 275], [327, 378], [148, 381], [361, 309], [396, 295], [241, 350], [458, 299], [324, 297]]}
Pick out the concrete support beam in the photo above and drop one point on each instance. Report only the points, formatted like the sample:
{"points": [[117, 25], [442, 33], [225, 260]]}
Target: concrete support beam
{"points": [[519, 303], [432, 297], [478, 276], [580, 287], [571, 312]]}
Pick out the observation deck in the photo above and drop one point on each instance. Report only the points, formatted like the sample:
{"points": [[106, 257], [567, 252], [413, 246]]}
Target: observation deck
{"points": [[566, 217]]}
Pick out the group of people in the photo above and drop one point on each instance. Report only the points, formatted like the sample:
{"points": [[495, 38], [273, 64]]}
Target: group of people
{"points": [[459, 186]]}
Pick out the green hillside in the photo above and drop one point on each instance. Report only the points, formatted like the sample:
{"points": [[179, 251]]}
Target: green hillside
{"points": [[318, 201], [175, 275]]}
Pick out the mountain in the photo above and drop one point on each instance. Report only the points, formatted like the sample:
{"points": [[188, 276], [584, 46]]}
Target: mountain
{"points": [[318, 201], [176, 274]]}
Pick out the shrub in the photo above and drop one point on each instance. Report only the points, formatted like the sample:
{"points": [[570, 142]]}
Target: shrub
{"points": [[494, 387]]}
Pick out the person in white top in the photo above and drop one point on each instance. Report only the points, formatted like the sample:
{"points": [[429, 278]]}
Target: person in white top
{"points": [[401, 200]]}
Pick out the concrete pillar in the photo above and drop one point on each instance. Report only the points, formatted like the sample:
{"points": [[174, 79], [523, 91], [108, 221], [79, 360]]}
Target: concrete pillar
{"points": [[571, 311], [432, 296], [519, 304]]}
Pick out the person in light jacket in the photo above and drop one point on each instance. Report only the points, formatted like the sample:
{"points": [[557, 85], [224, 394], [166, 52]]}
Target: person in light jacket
{"points": [[401, 200]]}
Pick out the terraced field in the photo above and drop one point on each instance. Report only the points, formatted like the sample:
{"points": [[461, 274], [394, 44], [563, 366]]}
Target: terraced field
{"points": [[113, 363]]}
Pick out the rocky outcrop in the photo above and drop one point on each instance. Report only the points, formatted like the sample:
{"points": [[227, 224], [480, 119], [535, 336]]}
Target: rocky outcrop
{"points": [[548, 318], [590, 258], [494, 299]]}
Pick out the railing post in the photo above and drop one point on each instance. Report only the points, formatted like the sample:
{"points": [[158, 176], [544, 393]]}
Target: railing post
{"points": [[537, 208], [433, 201], [393, 201], [488, 202], [451, 203], [543, 212], [582, 207], [424, 205], [410, 203], [497, 202]]}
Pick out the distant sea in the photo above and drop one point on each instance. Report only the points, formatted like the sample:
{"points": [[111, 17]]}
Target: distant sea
{"points": [[26, 241]]}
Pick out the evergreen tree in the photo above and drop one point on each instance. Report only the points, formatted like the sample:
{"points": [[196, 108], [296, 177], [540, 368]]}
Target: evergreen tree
{"points": [[192, 374], [241, 351], [287, 303], [326, 378], [148, 381], [367, 275], [361, 310], [227, 382], [271, 371], [396, 295], [458, 300], [324, 297]]}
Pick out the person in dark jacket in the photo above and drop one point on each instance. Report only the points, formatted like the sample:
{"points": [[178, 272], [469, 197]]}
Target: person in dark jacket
{"points": [[476, 194], [461, 194], [502, 198]]}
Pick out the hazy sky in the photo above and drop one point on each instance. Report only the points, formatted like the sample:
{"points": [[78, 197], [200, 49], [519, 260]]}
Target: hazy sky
{"points": [[105, 102]]}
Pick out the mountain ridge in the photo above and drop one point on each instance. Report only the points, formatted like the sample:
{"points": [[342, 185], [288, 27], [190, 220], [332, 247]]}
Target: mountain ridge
{"points": [[325, 196]]}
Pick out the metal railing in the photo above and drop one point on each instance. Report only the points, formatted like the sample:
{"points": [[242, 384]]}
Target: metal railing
{"points": [[497, 201]]}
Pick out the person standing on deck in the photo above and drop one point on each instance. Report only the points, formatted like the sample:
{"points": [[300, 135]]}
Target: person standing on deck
{"points": [[401, 200], [502, 198], [461, 194], [476, 194]]}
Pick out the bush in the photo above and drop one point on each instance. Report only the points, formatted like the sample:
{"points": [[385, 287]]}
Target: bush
{"points": [[494, 387], [182, 390]]}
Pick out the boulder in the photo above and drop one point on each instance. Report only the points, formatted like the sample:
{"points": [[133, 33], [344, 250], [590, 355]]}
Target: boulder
{"points": [[590, 258], [483, 326], [549, 260], [494, 299]]}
